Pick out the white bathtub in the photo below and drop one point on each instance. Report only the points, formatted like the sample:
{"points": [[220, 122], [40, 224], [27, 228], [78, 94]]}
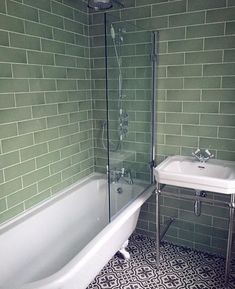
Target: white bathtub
{"points": [[65, 242]]}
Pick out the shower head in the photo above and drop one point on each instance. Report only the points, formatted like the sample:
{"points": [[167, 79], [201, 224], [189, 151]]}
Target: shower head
{"points": [[103, 4], [100, 4]]}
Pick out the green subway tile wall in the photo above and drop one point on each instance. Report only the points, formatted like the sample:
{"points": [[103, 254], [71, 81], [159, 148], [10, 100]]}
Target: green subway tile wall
{"points": [[45, 101], [52, 100], [196, 99]]}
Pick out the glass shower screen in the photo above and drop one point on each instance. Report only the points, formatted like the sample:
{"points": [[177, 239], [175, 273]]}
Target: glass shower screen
{"points": [[127, 132]]}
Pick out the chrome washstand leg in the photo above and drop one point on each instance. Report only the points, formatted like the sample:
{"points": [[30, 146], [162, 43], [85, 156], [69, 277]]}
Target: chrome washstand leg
{"points": [[230, 238], [157, 192]]}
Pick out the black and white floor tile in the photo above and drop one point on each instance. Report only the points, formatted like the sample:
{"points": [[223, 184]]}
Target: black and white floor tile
{"points": [[180, 268]]}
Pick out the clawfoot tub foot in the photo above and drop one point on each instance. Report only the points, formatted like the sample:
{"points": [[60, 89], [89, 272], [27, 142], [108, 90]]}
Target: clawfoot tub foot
{"points": [[123, 252]]}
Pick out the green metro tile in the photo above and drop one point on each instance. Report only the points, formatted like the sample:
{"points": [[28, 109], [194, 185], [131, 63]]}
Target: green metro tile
{"points": [[13, 85], [37, 199], [53, 46], [226, 155], [68, 129], [40, 58], [64, 36], [230, 27], [70, 150], [223, 42], [2, 6], [47, 159], [26, 71], [67, 107], [31, 125], [66, 84], [17, 142], [56, 97], [219, 15], [203, 30], [46, 135], [8, 130], [203, 57], [7, 100], [60, 9], [181, 140], [4, 38], [228, 82], [153, 22], [62, 60], [219, 69], [11, 24], [5, 70], [187, 19], [75, 50], [135, 13], [169, 8], [205, 4], [59, 120], [51, 19], [185, 45], [10, 187], [44, 110], [218, 144], [54, 72], [201, 107], [229, 55], [218, 95], [73, 26], [186, 70], [14, 211], [73, 170], [37, 29], [171, 59], [227, 132], [49, 182], [202, 82], [14, 114], [19, 170], [169, 128], [170, 83], [217, 119], [59, 143], [21, 195], [12, 55], [24, 41], [169, 106], [33, 151], [22, 11], [35, 176], [184, 118], [227, 107], [42, 4], [183, 95], [231, 3], [3, 205], [208, 131], [25, 99], [42, 84], [9, 159]]}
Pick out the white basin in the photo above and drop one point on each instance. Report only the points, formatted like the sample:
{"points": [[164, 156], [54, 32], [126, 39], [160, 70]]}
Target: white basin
{"points": [[214, 175]]}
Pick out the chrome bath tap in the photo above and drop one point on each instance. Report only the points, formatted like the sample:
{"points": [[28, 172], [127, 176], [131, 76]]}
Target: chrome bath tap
{"points": [[123, 174], [202, 156]]}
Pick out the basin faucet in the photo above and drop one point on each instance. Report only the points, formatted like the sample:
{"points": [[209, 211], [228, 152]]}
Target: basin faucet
{"points": [[202, 156]]}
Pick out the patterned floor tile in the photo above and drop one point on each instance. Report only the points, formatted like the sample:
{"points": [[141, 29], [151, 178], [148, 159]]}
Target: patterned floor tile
{"points": [[180, 268]]}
